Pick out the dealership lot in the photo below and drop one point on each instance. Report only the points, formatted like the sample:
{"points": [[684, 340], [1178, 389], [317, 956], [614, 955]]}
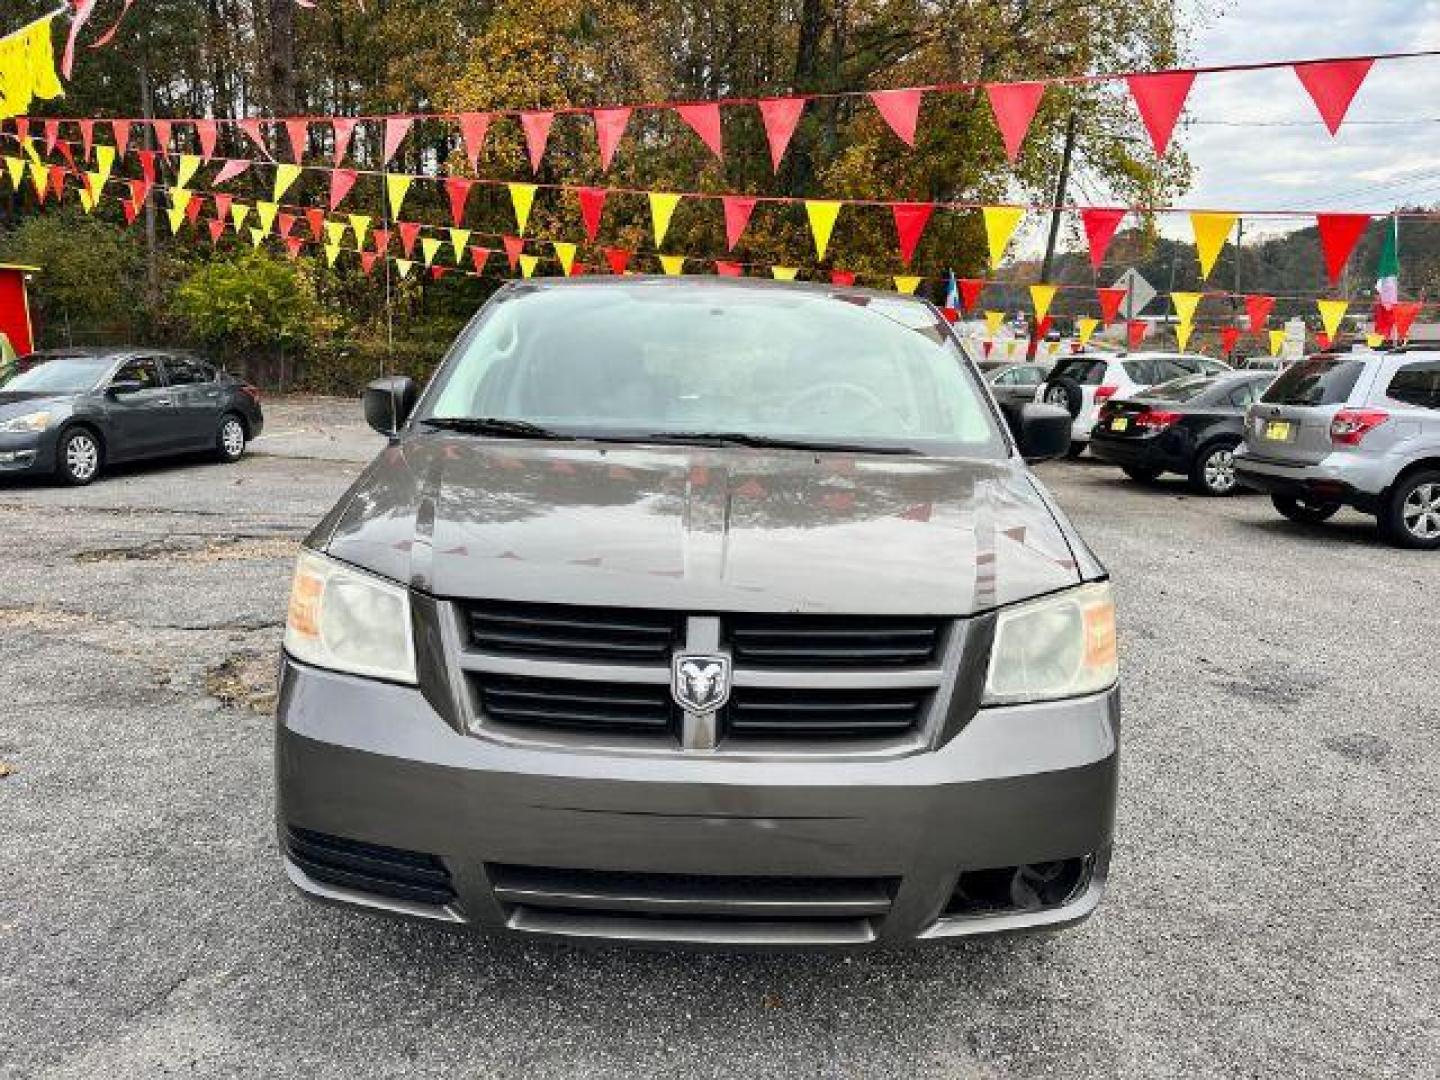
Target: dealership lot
{"points": [[1272, 902]]}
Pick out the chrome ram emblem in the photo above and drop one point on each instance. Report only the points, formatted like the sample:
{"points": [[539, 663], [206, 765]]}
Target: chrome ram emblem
{"points": [[700, 683]]}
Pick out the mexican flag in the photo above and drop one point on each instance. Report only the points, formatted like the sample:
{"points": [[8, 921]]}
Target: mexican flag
{"points": [[1387, 279]]}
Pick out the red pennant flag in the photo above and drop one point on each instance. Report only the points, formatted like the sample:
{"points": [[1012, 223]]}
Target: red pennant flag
{"points": [[1404, 317], [438, 271], [120, 129], [256, 133], [1042, 328], [738, 209], [704, 119], [381, 239], [299, 133], [315, 218], [1229, 338], [1332, 85], [1100, 224], [131, 211], [577, 268], [780, 115], [1110, 301], [1322, 339], [22, 128], [193, 208], [341, 181], [1014, 106], [57, 182], [950, 314], [147, 165], [910, 222], [396, 128], [987, 345], [1135, 333], [343, 128], [409, 231], [609, 127], [479, 256], [592, 205], [52, 135], [1384, 318], [1258, 309], [222, 207], [284, 223], [618, 258], [901, 110], [206, 133], [232, 168], [842, 278], [69, 156], [87, 138], [473, 129], [162, 135], [367, 261], [537, 134], [514, 247], [970, 290], [293, 244], [216, 227], [458, 189], [725, 268], [1160, 97], [1339, 233]]}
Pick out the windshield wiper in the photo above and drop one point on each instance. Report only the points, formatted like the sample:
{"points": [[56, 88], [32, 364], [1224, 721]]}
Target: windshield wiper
{"points": [[493, 425], [743, 438]]}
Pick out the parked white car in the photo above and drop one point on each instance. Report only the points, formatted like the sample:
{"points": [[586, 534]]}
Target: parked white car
{"points": [[1081, 384]]}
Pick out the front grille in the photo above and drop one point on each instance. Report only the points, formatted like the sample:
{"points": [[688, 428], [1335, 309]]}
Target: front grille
{"points": [[812, 713], [563, 632], [384, 871], [576, 703], [830, 641]]}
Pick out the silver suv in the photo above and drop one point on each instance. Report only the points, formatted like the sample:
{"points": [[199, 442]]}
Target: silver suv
{"points": [[1358, 429]]}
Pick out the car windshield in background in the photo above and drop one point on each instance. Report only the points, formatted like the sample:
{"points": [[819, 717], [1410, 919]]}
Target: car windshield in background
{"points": [[1182, 389], [1087, 370], [1321, 380], [664, 361], [61, 375]]}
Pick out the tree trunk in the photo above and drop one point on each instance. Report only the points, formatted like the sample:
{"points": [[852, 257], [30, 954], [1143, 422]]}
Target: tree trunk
{"points": [[280, 28]]}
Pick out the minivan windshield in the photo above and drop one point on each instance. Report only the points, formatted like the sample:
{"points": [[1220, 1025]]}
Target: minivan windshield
{"points": [[666, 361], [62, 375], [1320, 380]]}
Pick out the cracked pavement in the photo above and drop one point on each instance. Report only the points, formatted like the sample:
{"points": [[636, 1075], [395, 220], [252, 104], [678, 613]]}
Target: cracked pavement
{"points": [[1272, 909]]}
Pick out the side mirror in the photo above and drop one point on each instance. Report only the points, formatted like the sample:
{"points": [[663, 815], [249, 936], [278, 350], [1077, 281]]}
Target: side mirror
{"points": [[124, 386], [389, 403], [1043, 431]]}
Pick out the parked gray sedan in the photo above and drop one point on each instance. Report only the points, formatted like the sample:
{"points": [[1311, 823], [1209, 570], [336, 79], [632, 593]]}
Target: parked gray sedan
{"points": [[1014, 384], [702, 611]]}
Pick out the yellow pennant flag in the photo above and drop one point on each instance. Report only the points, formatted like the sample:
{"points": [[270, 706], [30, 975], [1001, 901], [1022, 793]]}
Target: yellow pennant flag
{"points": [[1086, 328], [256, 236], [186, 169], [265, 215], [1052, 347], [27, 67], [522, 198], [403, 267], [1277, 342], [104, 162], [528, 264], [285, 177], [1331, 312], [1011, 347], [1000, 225], [993, 321], [784, 273], [822, 214], [458, 239], [429, 248], [396, 187], [1185, 305], [332, 252], [1042, 296], [1374, 340], [662, 206], [674, 265], [360, 226], [15, 169], [335, 232], [1182, 334], [565, 252], [179, 200], [907, 283], [1211, 229], [40, 177], [90, 192], [238, 213]]}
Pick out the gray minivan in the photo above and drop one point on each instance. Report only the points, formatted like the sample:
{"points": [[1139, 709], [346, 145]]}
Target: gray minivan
{"points": [[702, 611]]}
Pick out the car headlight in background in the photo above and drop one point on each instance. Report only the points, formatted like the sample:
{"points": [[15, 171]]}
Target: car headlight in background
{"points": [[29, 423], [347, 620], [1057, 647]]}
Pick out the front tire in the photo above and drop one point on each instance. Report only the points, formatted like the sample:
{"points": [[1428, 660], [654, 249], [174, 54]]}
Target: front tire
{"points": [[79, 457], [1214, 470], [1410, 515], [1305, 512], [230, 440]]}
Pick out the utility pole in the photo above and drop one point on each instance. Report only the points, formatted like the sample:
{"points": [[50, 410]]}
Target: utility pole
{"points": [[152, 268], [1062, 185]]}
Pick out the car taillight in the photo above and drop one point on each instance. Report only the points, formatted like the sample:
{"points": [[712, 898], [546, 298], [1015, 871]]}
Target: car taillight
{"points": [[1156, 418], [1105, 393], [1352, 425]]}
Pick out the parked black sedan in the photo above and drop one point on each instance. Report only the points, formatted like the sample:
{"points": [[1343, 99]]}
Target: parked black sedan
{"points": [[1189, 426], [70, 413]]}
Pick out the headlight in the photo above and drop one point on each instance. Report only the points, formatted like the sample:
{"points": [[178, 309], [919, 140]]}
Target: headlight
{"points": [[346, 620], [30, 422], [1057, 647]]}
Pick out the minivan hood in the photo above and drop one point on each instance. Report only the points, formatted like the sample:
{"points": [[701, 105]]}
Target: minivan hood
{"points": [[700, 528]]}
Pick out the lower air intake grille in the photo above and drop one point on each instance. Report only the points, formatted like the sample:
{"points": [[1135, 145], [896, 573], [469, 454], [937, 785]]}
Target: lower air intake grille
{"points": [[810, 713], [576, 703], [384, 871], [829, 641]]}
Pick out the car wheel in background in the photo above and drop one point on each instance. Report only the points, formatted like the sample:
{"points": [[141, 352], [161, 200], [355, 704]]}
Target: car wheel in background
{"points": [[1304, 511], [1410, 514], [1065, 393], [79, 457], [230, 441], [1214, 470], [1145, 476]]}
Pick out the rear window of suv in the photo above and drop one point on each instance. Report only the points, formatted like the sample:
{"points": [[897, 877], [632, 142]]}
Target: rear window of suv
{"points": [[1321, 380], [1087, 371], [1417, 384]]}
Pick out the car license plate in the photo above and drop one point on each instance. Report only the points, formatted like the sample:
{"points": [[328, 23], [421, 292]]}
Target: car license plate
{"points": [[1279, 430], [1120, 423]]}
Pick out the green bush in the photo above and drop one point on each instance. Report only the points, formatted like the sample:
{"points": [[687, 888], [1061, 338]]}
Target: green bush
{"points": [[343, 367], [252, 306]]}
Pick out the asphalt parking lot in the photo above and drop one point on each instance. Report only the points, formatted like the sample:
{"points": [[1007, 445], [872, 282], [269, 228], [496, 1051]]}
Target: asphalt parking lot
{"points": [[1272, 909]]}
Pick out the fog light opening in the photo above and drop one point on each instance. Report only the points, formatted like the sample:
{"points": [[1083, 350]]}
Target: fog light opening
{"points": [[1031, 887]]}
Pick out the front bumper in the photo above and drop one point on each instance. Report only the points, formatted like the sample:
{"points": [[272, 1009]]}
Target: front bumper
{"points": [[27, 453], [374, 763], [1337, 478]]}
